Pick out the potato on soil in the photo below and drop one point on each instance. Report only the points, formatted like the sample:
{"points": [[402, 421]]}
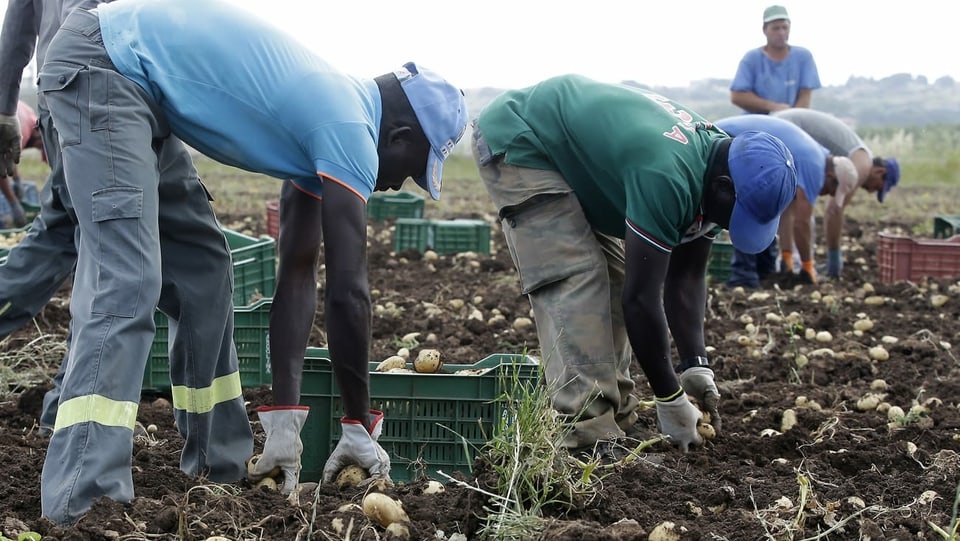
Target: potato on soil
{"points": [[351, 476], [383, 509]]}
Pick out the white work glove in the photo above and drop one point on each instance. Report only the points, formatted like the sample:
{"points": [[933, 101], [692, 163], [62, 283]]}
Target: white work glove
{"points": [[678, 420], [19, 218], [9, 144], [699, 383], [357, 446], [283, 447]]}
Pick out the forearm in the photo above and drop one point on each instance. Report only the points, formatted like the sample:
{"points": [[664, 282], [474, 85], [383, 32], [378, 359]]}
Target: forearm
{"points": [[801, 238], [748, 101], [291, 320], [348, 318], [17, 42], [804, 98], [833, 224]]}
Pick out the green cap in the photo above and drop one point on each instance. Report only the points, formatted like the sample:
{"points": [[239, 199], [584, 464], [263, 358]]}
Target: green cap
{"points": [[775, 13]]}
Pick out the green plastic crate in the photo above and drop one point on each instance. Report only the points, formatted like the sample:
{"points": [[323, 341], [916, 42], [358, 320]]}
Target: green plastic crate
{"points": [[251, 326], [425, 414], [254, 267], [391, 205], [412, 234], [945, 226], [718, 266], [442, 236]]}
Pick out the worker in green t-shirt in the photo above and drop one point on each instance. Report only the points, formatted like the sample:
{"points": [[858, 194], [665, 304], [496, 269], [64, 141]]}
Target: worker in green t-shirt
{"points": [[609, 198]]}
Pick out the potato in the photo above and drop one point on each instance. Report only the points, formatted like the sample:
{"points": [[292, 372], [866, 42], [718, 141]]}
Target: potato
{"points": [[383, 509], [351, 476], [391, 363], [399, 530], [252, 463], [706, 431], [268, 482], [428, 361]]}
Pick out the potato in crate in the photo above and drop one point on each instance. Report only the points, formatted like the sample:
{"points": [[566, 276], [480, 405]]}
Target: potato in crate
{"points": [[432, 422]]}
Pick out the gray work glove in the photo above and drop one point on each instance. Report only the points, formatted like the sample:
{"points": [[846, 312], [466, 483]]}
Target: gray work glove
{"points": [[357, 446], [19, 218], [9, 144], [283, 447], [699, 383], [678, 421]]}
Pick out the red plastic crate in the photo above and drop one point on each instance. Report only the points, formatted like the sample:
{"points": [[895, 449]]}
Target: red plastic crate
{"points": [[905, 258], [273, 218]]}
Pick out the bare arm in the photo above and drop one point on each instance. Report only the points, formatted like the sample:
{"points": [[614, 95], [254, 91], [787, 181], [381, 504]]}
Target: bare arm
{"points": [[802, 210], [833, 222], [295, 299], [748, 101], [804, 98], [347, 297]]}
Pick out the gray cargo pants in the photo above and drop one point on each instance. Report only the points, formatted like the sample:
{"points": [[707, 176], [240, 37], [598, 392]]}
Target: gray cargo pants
{"points": [[113, 138], [574, 278]]}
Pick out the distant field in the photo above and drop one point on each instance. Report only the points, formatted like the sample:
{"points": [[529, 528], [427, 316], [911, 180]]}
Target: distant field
{"points": [[930, 182]]}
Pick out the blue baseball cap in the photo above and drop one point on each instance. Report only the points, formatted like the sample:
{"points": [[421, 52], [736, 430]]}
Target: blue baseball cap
{"points": [[442, 113], [890, 178], [765, 179]]}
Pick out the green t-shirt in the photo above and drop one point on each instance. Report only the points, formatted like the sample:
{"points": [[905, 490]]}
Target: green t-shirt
{"points": [[634, 158]]}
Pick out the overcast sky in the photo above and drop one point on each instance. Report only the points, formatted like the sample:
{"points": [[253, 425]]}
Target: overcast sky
{"points": [[514, 43]]}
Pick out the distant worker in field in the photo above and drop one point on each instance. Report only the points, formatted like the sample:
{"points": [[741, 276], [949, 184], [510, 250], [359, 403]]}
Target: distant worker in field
{"points": [[778, 75], [252, 97], [818, 173], [874, 174], [29, 138], [609, 198]]}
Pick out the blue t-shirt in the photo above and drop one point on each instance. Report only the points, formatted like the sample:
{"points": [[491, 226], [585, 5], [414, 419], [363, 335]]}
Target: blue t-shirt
{"points": [[809, 156], [778, 81], [246, 94]]}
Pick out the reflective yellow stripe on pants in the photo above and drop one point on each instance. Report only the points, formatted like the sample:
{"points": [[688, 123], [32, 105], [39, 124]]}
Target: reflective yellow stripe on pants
{"points": [[223, 389], [98, 409]]}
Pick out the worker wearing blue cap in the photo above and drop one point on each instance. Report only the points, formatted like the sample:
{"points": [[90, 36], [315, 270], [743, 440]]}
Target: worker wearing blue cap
{"points": [[125, 84], [609, 198]]}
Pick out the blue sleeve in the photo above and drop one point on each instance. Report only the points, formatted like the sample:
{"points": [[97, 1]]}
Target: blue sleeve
{"points": [[745, 78], [809, 77]]}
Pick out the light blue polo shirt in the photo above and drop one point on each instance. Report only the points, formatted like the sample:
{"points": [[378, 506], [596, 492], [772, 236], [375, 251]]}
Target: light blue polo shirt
{"points": [[809, 156], [245, 93], [776, 80]]}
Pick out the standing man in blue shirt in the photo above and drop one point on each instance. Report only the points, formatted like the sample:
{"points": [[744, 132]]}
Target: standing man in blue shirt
{"points": [[129, 80], [778, 75]]}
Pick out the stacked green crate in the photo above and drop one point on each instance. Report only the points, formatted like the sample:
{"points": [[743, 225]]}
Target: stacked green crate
{"points": [[391, 205]]}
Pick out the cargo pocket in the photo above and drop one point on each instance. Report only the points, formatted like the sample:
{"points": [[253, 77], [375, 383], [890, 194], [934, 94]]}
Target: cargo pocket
{"points": [[116, 215], [550, 241], [59, 84]]}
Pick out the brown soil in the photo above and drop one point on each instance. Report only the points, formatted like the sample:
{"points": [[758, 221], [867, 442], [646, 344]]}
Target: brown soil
{"points": [[843, 472]]}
